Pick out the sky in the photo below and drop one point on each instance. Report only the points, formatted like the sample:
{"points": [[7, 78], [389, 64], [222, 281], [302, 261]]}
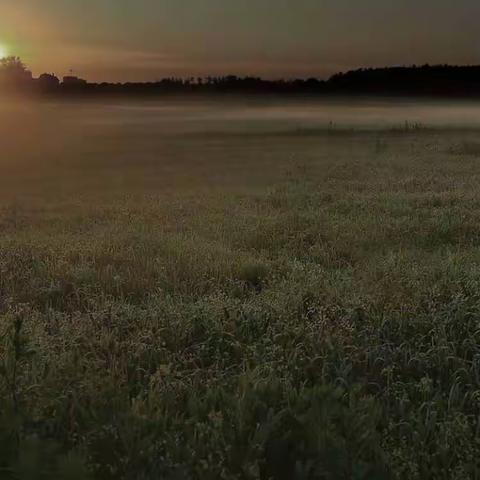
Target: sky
{"points": [[136, 40]]}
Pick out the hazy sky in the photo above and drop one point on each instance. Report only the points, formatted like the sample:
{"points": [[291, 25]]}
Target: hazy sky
{"points": [[148, 39]]}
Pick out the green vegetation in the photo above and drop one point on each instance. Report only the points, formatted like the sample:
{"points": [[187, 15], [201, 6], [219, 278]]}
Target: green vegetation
{"points": [[313, 314]]}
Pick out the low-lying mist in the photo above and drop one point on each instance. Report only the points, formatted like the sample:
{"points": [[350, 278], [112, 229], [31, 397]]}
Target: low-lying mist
{"points": [[98, 145]]}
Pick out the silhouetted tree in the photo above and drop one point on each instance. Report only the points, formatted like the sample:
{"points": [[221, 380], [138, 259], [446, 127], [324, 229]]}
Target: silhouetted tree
{"points": [[48, 82], [13, 72]]}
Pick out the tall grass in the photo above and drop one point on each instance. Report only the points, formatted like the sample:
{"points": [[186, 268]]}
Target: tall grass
{"points": [[322, 321]]}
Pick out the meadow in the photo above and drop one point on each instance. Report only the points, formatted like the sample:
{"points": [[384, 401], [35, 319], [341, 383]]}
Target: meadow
{"points": [[237, 292]]}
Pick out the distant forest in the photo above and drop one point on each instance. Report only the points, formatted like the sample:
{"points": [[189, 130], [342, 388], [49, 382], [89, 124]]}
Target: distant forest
{"points": [[426, 80]]}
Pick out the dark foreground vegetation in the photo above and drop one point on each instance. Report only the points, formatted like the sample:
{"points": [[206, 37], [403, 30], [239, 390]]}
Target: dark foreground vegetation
{"points": [[295, 306], [426, 80]]}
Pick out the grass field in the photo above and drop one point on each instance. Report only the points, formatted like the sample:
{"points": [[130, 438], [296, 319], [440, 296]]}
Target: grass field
{"points": [[291, 304]]}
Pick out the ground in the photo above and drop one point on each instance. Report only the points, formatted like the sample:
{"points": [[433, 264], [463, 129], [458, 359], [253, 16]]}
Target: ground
{"points": [[297, 303]]}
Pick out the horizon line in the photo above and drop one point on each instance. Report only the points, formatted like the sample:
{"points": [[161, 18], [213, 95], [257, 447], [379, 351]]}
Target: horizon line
{"points": [[286, 78]]}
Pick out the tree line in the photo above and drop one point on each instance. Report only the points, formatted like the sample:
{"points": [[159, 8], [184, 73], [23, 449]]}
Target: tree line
{"points": [[443, 80]]}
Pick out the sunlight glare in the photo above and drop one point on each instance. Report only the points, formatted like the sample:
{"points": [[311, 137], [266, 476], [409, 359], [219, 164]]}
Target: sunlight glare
{"points": [[3, 51]]}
